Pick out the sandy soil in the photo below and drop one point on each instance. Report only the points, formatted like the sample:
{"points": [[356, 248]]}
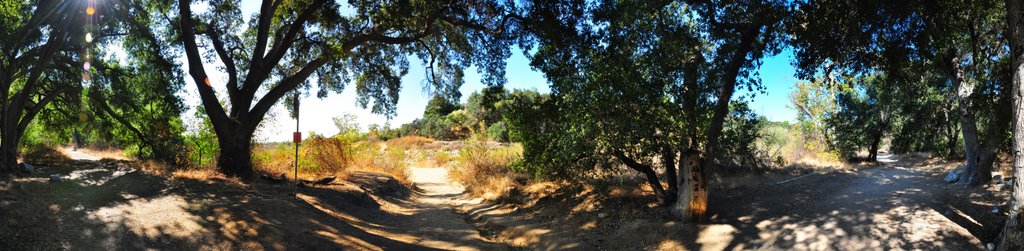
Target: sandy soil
{"points": [[901, 204], [110, 205]]}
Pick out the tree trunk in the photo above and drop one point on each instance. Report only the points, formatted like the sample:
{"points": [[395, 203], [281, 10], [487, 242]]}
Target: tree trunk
{"points": [[873, 152], [668, 160], [968, 125], [996, 133], [1013, 232], [692, 201], [876, 140], [986, 160], [693, 193], [9, 140], [236, 154], [8, 155]]}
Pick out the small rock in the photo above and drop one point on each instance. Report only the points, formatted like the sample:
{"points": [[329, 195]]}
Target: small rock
{"points": [[990, 246], [28, 168], [602, 215], [995, 210], [951, 177], [56, 178]]}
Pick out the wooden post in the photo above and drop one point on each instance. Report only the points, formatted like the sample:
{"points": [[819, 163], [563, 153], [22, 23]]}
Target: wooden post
{"points": [[297, 138]]}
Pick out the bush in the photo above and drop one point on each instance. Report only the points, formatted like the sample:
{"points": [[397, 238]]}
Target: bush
{"points": [[740, 137], [329, 155], [498, 132]]}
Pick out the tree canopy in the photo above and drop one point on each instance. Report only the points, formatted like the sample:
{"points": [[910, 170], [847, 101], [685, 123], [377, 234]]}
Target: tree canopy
{"points": [[291, 46]]}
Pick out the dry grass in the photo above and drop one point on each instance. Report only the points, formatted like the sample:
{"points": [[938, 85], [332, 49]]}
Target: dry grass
{"points": [[105, 153], [320, 156], [485, 170], [197, 174], [45, 156], [371, 157], [819, 163], [441, 158], [409, 142]]}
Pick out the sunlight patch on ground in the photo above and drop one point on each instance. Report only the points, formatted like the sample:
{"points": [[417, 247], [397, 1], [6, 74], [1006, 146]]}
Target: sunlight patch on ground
{"points": [[160, 217], [886, 158], [713, 237]]}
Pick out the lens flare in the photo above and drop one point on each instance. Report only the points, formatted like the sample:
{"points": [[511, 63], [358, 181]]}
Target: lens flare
{"points": [[87, 66], [88, 37], [90, 11]]}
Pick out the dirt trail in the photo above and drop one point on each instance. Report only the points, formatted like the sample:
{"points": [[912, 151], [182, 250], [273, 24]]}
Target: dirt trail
{"points": [[896, 205], [78, 155], [109, 205], [892, 206], [435, 216]]}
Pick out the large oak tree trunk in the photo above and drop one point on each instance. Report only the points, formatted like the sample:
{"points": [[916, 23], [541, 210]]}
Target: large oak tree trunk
{"points": [[996, 133], [692, 203], [968, 125], [1013, 232], [9, 152], [235, 154]]}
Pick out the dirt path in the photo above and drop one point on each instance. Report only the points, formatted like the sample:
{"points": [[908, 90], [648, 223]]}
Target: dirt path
{"points": [[110, 205], [435, 217], [78, 155], [892, 206], [896, 205]]}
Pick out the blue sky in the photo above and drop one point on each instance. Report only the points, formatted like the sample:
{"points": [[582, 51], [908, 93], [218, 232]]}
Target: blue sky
{"points": [[776, 72], [777, 75]]}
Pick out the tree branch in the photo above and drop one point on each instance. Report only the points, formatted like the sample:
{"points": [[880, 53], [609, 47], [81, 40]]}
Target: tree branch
{"points": [[286, 85], [229, 64], [261, 68], [195, 68], [101, 103], [31, 112], [267, 9]]}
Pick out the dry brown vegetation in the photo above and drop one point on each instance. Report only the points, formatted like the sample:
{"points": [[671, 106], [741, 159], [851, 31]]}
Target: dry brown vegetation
{"points": [[409, 142], [486, 170], [326, 156]]}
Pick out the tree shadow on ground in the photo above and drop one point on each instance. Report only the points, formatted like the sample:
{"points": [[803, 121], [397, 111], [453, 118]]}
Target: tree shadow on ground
{"points": [[108, 205], [890, 207], [876, 208]]}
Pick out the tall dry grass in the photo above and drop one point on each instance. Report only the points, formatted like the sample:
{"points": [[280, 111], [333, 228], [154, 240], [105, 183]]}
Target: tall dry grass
{"points": [[409, 142], [486, 170], [325, 156]]}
